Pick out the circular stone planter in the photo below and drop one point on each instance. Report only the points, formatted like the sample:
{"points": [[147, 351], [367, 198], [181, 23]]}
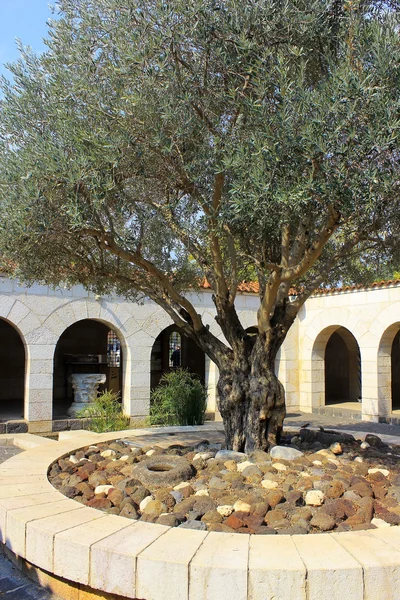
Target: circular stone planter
{"points": [[153, 562], [162, 471]]}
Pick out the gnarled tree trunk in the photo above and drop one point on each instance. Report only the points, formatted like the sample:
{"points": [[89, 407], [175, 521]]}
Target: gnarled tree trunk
{"points": [[251, 402]]}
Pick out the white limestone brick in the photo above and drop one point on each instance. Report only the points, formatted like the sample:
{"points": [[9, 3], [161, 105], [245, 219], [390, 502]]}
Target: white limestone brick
{"points": [[329, 567], [8, 504], [18, 312], [379, 560], [72, 551], [16, 521], [163, 567], [275, 569], [40, 533], [6, 304], [113, 559], [218, 570]]}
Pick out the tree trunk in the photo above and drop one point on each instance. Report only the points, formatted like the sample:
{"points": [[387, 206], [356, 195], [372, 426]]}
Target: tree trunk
{"points": [[252, 405]]}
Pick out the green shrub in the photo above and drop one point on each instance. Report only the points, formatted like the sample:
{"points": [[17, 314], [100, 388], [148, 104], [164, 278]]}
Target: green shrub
{"points": [[105, 414], [180, 399]]}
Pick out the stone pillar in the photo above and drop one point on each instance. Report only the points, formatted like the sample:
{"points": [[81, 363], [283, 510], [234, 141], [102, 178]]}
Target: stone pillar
{"points": [[212, 374]]}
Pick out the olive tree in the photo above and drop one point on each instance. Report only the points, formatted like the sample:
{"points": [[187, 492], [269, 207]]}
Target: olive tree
{"points": [[157, 144]]}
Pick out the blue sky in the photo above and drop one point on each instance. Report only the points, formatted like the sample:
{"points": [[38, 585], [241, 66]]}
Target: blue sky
{"points": [[23, 19]]}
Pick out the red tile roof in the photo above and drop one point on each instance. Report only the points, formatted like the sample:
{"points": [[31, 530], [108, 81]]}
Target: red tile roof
{"points": [[252, 287]]}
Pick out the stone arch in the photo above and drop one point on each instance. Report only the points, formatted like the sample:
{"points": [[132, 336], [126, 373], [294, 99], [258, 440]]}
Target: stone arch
{"points": [[388, 378], [87, 337], [13, 371], [163, 358], [335, 367]]}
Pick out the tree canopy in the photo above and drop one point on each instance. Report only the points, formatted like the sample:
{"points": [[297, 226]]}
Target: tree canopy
{"points": [[160, 143]]}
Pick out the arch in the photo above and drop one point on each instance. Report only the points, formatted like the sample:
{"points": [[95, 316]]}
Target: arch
{"points": [[162, 361], [86, 346], [388, 374], [335, 367], [13, 361]]}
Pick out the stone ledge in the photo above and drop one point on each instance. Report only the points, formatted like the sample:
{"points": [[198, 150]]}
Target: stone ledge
{"points": [[120, 557]]}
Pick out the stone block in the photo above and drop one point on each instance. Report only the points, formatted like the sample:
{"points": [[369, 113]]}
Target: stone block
{"points": [[219, 568], [40, 426], [16, 521], [40, 533], [332, 572], [163, 567], [60, 425], [16, 427], [18, 312], [380, 563], [275, 569], [72, 551], [8, 504], [119, 552]]}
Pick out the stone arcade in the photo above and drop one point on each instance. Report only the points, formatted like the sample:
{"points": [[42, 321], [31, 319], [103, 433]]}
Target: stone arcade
{"points": [[342, 353]]}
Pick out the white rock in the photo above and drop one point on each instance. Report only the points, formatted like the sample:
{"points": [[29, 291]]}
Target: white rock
{"points": [[285, 453], [241, 466], [231, 455], [204, 455], [379, 522], [108, 453], [241, 506], [182, 486], [336, 448], [150, 452], [326, 453], [103, 489], [384, 472], [317, 463], [359, 459], [73, 459], [202, 492], [364, 445], [225, 510], [145, 502], [269, 485], [315, 498], [334, 461], [279, 466], [124, 458]]}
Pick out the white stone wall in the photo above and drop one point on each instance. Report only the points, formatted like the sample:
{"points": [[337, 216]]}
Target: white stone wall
{"points": [[373, 318], [41, 315]]}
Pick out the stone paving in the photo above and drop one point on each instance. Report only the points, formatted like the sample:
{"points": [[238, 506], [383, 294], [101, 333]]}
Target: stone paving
{"points": [[13, 584]]}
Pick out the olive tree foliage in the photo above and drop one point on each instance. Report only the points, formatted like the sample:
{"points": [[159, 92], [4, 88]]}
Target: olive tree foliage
{"points": [[157, 144]]}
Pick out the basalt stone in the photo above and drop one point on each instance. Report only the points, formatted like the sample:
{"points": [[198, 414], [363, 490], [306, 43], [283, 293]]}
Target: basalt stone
{"points": [[199, 525], [116, 496], [69, 491], [219, 527], [168, 519], [99, 503], [363, 489], [275, 497], [285, 453], [212, 516], [373, 440], [163, 471], [140, 494], [234, 521], [335, 489], [323, 522], [98, 478]]}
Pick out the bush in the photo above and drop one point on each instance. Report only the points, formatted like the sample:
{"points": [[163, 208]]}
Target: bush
{"points": [[180, 399], [105, 414]]}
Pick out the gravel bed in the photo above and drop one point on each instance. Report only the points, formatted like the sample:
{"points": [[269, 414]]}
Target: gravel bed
{"points": [[314, 482]]}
